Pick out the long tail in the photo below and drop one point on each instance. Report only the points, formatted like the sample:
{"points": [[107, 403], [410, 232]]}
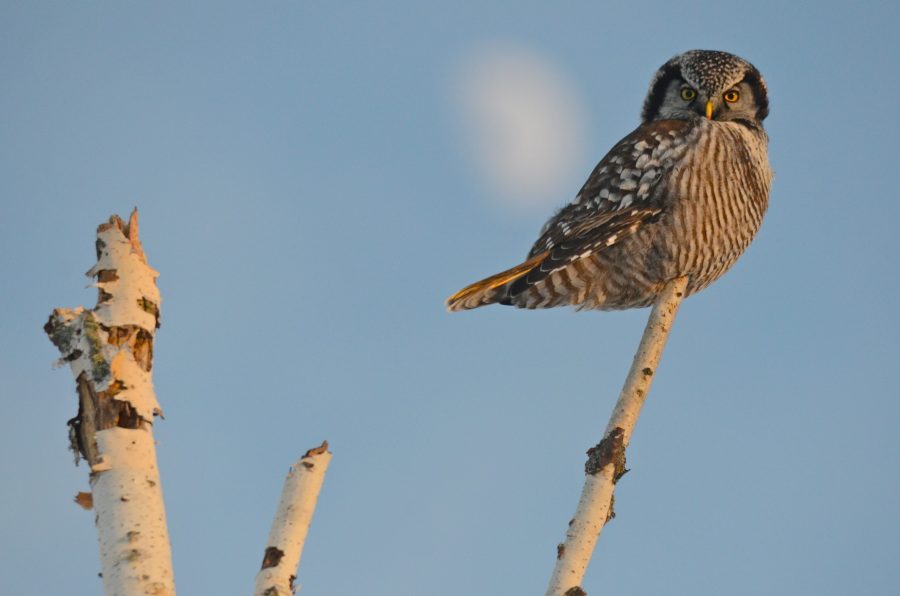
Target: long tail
{"points": [[492, 289]]}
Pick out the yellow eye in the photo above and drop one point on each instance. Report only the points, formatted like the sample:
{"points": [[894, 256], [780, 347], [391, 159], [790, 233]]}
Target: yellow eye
{"points": [[731, 96], [687, 94]]}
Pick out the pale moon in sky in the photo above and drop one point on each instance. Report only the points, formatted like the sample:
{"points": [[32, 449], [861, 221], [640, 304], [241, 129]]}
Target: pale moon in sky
{"points": [[524, 123]]}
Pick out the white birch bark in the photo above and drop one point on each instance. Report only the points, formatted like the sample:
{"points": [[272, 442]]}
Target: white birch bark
{"points": [[291, 524], [606, 461], [131, 519], [109, 350]]}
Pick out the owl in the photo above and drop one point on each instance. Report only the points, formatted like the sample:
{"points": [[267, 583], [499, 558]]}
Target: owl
{"points": [[682, 195]]}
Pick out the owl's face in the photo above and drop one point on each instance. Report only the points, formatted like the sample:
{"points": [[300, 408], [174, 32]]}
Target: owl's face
{"points": [[707, 84]]}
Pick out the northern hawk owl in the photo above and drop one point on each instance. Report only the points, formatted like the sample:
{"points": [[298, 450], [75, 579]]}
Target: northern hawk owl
{"points": [[682, 195]]}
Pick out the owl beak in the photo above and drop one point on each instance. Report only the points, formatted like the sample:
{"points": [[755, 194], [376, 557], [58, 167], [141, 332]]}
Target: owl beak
{"points": [[709, 109]]}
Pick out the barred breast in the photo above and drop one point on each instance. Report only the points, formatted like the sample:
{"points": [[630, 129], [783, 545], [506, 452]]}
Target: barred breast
{"points": [[713, 204], [674, 198]]}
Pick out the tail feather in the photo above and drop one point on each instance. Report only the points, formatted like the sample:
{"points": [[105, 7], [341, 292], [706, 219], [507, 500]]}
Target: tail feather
{"points": [[491, 289]]}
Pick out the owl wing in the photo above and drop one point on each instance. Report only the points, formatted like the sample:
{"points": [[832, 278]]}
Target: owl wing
{"points": [[622, 194]]}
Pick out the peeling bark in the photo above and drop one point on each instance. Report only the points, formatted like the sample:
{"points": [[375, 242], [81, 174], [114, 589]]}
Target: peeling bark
{"points": [[110, 352]]}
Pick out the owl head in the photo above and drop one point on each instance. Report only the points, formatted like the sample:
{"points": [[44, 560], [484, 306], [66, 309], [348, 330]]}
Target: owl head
{"points": [[707, 84]]}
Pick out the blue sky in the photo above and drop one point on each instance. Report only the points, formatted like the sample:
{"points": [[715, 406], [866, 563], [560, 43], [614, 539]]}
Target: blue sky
{"points": [[310, 196]]}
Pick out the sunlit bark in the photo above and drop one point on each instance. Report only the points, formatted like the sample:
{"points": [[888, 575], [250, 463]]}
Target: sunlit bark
{"points": [[110, 351], [606, 461]]}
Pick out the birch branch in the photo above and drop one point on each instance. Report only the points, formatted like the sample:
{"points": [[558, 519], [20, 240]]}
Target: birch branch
{"points": [[110, 351], [291, 523], [606, 462]]}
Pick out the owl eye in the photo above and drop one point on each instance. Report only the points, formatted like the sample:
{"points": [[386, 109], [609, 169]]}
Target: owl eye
{"points": [[731, 96], [688, 94]]}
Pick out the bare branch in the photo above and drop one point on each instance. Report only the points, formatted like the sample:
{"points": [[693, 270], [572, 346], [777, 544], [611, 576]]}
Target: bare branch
{"points": [[291, 523], [606, 461]]}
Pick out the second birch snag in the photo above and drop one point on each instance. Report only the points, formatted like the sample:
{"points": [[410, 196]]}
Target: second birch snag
{"points": [[110, 351], [291, 523], [606, 462]]}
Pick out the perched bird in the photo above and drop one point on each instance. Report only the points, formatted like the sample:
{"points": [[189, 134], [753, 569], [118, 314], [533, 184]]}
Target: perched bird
{"points": [[682, 195]]}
